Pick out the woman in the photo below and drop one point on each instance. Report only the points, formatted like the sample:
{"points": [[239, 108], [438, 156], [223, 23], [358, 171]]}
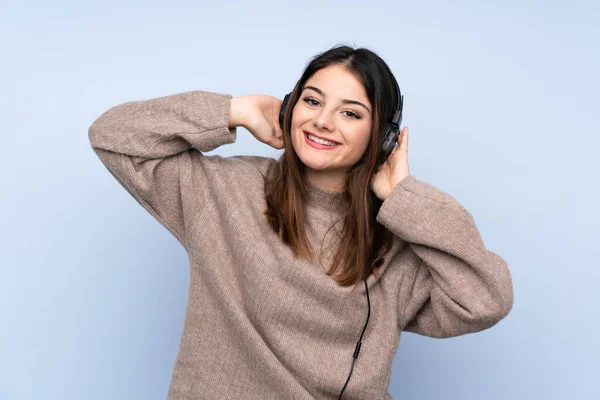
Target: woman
{"points": [[277, 247]]}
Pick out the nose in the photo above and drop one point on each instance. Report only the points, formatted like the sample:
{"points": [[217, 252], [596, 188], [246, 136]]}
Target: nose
{"points": [[323, 120]]}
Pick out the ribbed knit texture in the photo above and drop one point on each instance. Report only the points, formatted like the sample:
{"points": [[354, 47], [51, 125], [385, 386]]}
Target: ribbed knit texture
{"points": [[261, 324]]}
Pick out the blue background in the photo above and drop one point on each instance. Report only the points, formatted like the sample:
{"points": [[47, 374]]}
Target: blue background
{"points": [[501, 101]]}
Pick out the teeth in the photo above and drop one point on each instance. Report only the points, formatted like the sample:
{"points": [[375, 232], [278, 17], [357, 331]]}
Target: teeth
{"points": [[321, 141]]}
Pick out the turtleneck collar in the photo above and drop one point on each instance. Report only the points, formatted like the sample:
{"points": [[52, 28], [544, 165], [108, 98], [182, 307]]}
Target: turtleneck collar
{"points": [[324, 199]]}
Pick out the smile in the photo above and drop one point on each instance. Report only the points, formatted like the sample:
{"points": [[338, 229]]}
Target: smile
{"points": [[318, 143]]}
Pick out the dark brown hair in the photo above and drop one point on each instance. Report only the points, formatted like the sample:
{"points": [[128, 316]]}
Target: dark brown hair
{"points": [[363, 242]]}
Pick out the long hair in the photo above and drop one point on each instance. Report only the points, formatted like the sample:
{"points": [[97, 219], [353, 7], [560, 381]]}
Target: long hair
{"points": [[363, 242]]}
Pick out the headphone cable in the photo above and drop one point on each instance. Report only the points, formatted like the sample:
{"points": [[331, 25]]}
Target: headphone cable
{"points": [[359, 343]]}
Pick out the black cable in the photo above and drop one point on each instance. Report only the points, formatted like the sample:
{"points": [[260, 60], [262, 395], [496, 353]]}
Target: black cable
{"points": [[359, 343]]}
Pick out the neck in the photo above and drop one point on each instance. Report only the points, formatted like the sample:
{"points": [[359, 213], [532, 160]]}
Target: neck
{"points": [[329, 181], [323, 199]]}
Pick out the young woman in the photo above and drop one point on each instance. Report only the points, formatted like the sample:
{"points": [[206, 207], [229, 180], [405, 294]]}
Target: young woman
{"points": [[306, 269]]}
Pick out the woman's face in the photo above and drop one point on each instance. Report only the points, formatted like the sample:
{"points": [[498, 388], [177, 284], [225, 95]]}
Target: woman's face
{"points": [[334, 106]]}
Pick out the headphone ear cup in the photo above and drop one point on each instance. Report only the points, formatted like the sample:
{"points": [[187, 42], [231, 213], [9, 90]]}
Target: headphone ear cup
{"points": [[282, 110], [390, 140]]}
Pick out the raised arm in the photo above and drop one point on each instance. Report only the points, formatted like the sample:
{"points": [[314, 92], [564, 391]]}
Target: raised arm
{"points": [[144, 145], [454, 285]]}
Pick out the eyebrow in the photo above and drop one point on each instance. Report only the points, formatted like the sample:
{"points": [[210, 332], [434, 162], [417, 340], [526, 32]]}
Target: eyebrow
{"points": [[345, 101]]}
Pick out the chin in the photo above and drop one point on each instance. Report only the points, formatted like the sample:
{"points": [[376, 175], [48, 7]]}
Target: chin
{"points": [[311, 161], [316, 165]]}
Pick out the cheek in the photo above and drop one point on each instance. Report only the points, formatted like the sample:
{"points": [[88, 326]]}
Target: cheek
{"points": [[299, 116], [297, 121], [361, 139]]}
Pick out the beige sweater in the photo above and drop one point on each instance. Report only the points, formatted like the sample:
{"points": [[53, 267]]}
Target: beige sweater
{"points": [[261, 324]]}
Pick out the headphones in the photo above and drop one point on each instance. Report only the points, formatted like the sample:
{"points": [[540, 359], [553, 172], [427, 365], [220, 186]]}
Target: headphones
{"points": [[388, 140], [387, 143]]}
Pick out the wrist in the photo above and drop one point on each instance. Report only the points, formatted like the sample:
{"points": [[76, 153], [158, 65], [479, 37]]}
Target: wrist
{"points": [[236, 116]]}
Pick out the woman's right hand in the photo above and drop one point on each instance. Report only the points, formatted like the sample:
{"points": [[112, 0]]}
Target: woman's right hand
{"points": [[259, 114]]}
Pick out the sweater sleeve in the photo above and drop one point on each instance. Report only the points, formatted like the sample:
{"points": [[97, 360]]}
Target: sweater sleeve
{"points": [[145, 146], [455, 286]]}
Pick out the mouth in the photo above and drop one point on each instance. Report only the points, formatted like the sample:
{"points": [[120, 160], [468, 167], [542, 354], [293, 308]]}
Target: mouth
{"points": [[318, 140]]}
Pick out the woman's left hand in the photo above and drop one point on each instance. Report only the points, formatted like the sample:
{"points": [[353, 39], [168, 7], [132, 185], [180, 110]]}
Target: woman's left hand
{"points": [[393, 170]]}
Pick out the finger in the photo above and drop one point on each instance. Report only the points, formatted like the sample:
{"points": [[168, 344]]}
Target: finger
{"points": [[279, 143], [278, 130], [404, 138]]}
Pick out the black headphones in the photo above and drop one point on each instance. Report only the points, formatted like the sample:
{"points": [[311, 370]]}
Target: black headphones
{"points": [[388, 140]]}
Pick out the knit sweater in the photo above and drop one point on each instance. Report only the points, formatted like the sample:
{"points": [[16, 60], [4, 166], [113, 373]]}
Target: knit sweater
{"points": [[261, 323]]}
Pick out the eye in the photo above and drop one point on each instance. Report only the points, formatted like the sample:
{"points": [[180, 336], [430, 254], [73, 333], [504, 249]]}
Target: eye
{"points": [[352, 114], [310, 101]]}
